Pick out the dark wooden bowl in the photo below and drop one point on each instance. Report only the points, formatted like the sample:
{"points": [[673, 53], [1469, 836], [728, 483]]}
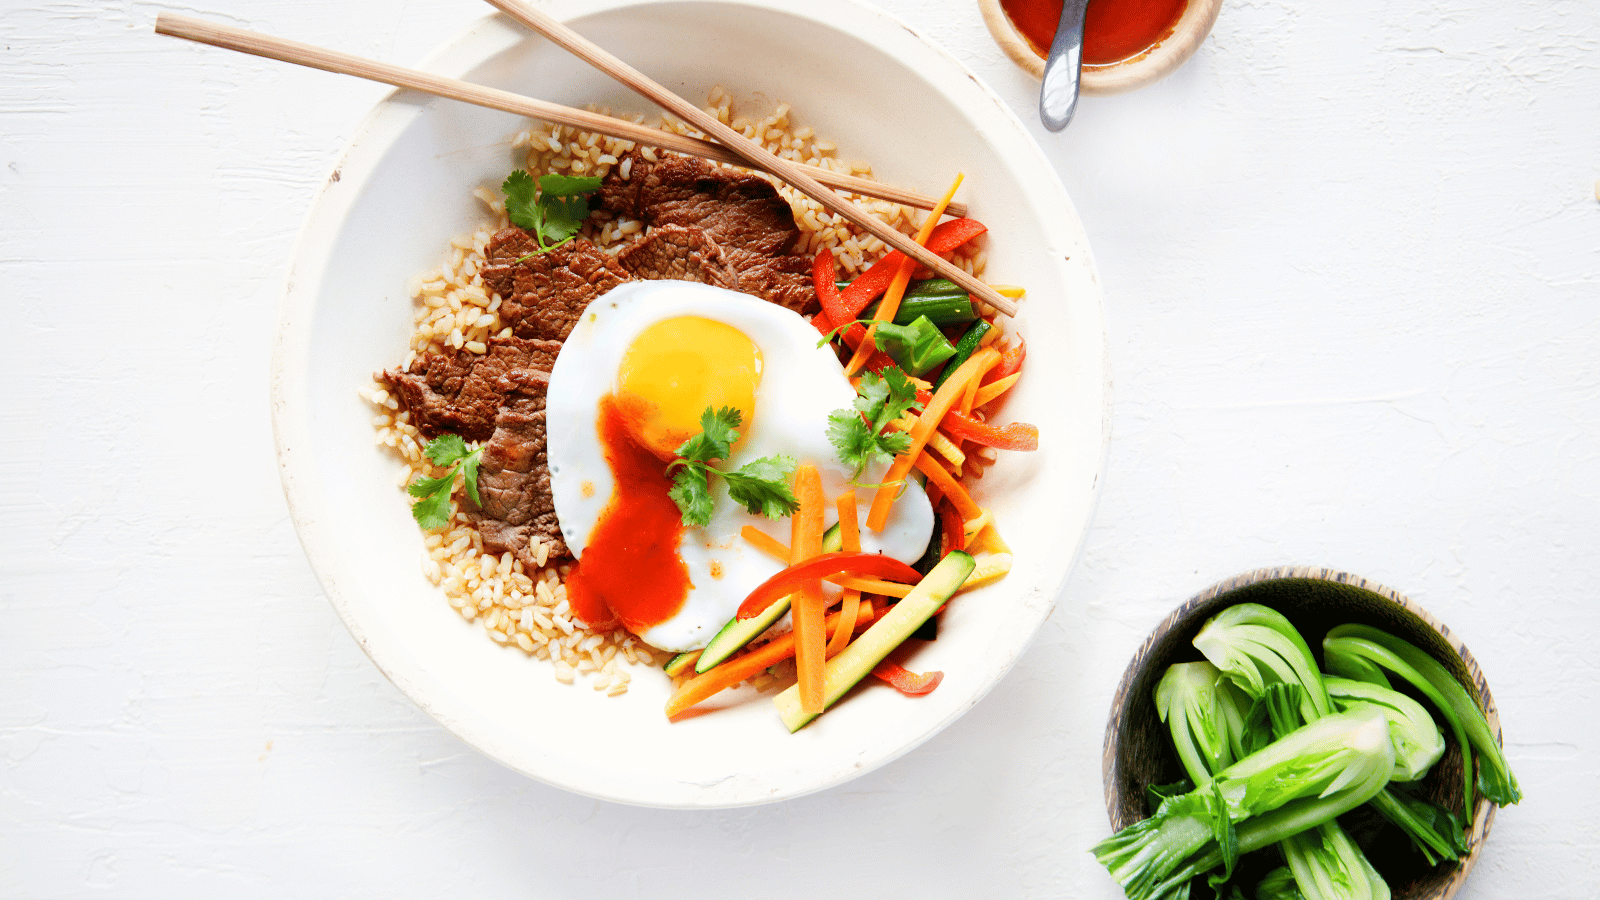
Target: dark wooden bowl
{"points": [[1138, 749]]}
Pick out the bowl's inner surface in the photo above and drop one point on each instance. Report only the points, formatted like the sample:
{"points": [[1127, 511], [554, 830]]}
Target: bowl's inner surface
{"points": [[1144, 754]]}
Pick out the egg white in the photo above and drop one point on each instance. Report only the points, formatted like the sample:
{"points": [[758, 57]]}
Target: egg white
{"points": [[801, 384]]}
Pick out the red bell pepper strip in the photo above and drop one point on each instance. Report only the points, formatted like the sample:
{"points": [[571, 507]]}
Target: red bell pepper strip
{"points": [[789, 580], [834, 314], [907, 682], [875, 280], [952, 530], [1016, 436], [1010, 362]]}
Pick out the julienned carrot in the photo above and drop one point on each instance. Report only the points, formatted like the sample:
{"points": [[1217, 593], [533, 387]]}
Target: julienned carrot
{"points": [[1016, 436], [809, 604], [849, 522], [825, 566], [953, 491], [912, 684], [850, 542], [993, 389], [872, 585], [737, 670], [938, 405], [766, 543], [946, 237], [897, 286]]}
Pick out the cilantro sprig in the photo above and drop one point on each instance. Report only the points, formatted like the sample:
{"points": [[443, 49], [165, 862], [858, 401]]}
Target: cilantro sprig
{"points": [[858, 433], [761, 486], [432, 509], [550, 209]]}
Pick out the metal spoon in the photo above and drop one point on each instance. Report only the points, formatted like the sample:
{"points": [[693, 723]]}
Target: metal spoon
{"points": [[1058, 92]]}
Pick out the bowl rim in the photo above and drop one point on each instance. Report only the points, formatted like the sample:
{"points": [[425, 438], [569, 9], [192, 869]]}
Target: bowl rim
{"points": [[1151, 66], [1483, 812]]}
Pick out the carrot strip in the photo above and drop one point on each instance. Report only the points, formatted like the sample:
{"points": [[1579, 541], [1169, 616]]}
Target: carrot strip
{"points": [[993, 389], [953, 491], [850, 542], [849, 523], [825, 566], [872, 585], [766, 543], [938, 405], [737, 670], [902, 277], [809, 605], [849, 608]]}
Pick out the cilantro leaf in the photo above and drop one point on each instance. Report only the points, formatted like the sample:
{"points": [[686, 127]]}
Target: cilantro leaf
{"points": [[445, 449], [565, 202], [522, 201], [432, 509], [432, 512], [551, 209], [853, 438], [858, 433], [691, 490], [761, 486], [427, 487], [717, 435]]}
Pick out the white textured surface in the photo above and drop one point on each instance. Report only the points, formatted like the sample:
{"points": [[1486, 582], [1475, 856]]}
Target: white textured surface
{"points": [[1351, 257]]}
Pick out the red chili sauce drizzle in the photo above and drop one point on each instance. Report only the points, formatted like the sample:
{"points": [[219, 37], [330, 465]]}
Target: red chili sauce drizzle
{"points": [[630, 571], [1113, 30]]}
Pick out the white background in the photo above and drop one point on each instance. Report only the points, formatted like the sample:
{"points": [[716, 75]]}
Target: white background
{"points": [[1351, 262]]}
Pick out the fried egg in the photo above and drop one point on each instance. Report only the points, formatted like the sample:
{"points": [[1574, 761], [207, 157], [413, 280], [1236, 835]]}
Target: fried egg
{"points": [[628, 387]]}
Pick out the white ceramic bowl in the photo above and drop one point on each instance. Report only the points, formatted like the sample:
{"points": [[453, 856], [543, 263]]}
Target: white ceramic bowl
{"points": [[403, 190]]}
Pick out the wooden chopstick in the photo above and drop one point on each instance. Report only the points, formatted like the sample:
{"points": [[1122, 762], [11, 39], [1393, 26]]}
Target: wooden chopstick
{"points": [[288, 51], [791, 172]]}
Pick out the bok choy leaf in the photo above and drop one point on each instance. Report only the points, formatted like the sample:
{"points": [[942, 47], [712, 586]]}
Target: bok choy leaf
{"points": [[1310, 776], [1353, 650]]}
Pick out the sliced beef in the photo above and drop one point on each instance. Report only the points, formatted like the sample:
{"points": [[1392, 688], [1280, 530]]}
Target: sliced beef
{"points": [[742, 214], [514, 482], [679, 253], [543, 294], [461, 393]]}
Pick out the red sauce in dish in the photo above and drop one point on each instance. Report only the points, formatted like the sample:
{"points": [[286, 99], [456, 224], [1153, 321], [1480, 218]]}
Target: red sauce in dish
{"points": [[1113, 30], [630, 571]]}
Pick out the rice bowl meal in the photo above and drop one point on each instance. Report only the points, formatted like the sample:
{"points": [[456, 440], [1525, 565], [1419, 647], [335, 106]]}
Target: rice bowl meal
{"points": [[473, 603], [644, 305]]}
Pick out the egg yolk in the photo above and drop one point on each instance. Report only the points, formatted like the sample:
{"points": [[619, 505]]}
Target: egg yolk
{"points": [[675, 369]]}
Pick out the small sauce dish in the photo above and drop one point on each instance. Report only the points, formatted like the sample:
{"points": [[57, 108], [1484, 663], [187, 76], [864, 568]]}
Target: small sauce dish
{"points": [[1127, 44]]}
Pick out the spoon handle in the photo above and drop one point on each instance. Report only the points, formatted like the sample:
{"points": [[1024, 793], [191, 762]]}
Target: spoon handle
{"points": [[1058, 91]]}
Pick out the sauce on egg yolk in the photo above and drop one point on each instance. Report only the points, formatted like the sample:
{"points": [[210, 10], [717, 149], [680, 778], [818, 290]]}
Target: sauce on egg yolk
{"points": [[677, 368], [630, 572]]}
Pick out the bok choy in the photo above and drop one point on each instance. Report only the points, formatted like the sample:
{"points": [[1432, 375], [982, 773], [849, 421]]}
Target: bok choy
{"points": [[1360, 651], [1310, 776]]}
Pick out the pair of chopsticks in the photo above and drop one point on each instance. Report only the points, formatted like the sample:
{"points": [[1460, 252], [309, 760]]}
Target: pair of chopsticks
{"points": [[729, 145]]}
